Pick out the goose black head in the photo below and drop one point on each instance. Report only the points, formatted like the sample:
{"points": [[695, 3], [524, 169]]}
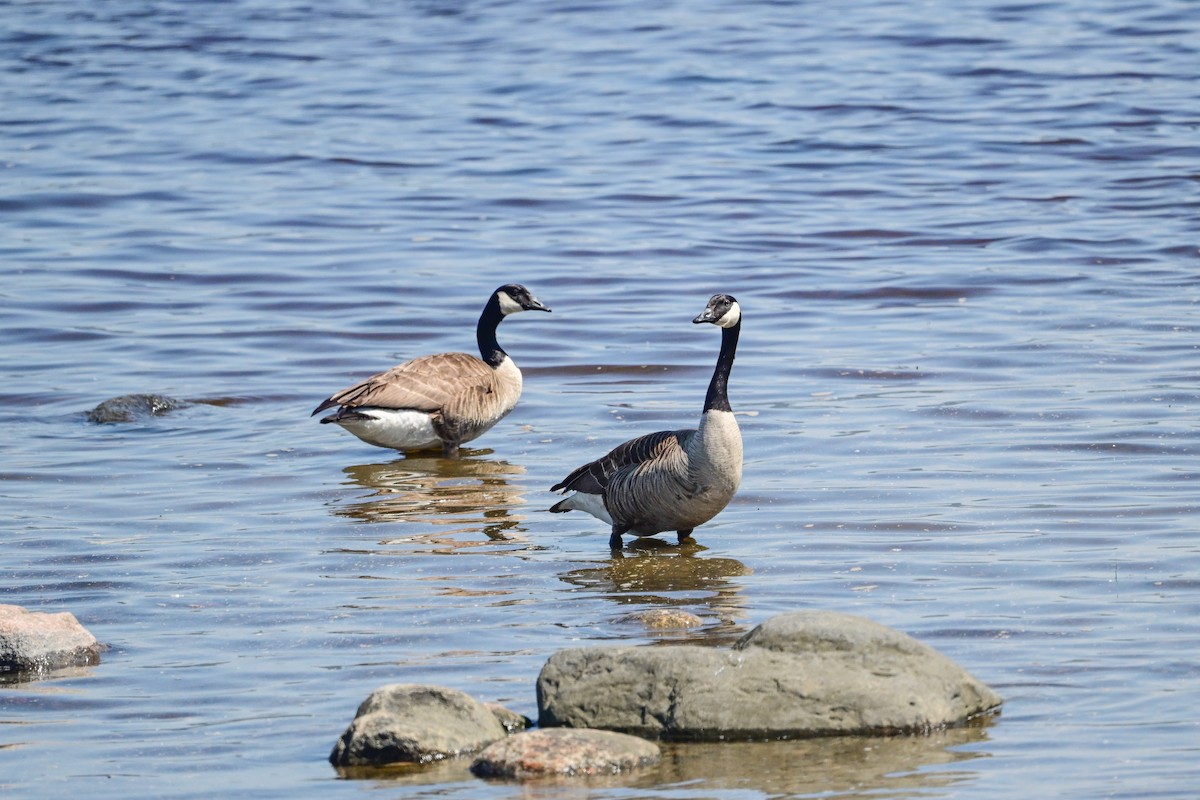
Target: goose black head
{"points": [[722, 310], [514, 297]]}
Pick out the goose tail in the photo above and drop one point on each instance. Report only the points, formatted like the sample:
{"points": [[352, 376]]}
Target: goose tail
{"points": [[582, 501]]}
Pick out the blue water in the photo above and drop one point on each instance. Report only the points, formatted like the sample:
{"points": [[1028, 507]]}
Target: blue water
{"points": [[965, 239]]}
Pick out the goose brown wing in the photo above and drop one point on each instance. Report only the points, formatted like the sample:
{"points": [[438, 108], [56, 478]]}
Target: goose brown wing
{"points": [[423, 384], [593, 477]]}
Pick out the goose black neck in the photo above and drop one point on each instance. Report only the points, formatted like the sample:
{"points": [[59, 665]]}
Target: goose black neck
{"points": [[718, 388], [485, 334]]}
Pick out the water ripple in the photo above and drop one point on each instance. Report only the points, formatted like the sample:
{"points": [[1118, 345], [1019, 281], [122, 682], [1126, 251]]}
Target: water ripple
{"points": [[965, 245]]}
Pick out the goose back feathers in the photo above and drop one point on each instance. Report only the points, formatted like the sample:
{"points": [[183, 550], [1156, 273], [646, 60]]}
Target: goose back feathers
{"points": [[669, 480]]}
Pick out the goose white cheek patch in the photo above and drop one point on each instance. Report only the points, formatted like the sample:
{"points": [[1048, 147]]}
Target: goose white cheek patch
{"points": [[507, 304], [732, 317]]}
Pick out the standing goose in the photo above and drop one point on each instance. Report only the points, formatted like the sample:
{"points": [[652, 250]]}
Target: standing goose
{"points": [[442, 400], [670, 480]]}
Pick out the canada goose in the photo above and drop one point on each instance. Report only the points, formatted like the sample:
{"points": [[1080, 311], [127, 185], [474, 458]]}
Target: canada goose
{"points": [[670, 480], [441, 400]]}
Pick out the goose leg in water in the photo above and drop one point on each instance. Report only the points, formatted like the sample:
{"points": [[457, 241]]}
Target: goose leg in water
{"points": [[614, 541]]}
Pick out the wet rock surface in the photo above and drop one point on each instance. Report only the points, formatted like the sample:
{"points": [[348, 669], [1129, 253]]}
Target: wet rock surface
{"points": [[664, 619], [511, 720], [564, 752], [414, 723], [798, 674], [33, 642], [132, 407]]}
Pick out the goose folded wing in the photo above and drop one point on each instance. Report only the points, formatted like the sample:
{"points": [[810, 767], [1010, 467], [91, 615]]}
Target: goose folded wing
{"points": [[593, 477], [423, 384]]}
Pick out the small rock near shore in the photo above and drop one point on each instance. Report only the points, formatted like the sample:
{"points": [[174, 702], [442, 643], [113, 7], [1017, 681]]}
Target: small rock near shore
{"points": [[36, 642], [414, 723], [511, 720], [565, 752]]}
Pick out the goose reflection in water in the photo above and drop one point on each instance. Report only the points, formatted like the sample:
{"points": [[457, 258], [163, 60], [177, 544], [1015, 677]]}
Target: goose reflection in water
{"points": [[450, 496], [665, 576]]}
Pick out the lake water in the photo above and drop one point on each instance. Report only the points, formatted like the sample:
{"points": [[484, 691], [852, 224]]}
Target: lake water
{"points": [[966, 239]]}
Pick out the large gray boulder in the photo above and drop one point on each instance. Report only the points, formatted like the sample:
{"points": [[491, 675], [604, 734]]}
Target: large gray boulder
{"points": [[798, 674], [33, 642], [418, 724], [566, 752]]}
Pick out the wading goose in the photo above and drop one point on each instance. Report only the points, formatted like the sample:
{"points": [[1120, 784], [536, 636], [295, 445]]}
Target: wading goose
{"points": [[442, 400], [670, 480]]}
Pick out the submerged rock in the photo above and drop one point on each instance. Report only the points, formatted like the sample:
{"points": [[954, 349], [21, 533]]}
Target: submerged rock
{"points": [[132, 407], [564, 751], [663, 618], [413, 723], [798, 674], [36, 642]]}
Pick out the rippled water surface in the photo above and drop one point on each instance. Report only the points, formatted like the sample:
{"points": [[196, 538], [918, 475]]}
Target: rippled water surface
{"points": [[965, 237]]}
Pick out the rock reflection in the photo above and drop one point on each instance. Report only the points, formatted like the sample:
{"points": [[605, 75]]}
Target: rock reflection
{"points": [[667, 576], [451, 496], [44, 680], [848, 766], [449, 771]]}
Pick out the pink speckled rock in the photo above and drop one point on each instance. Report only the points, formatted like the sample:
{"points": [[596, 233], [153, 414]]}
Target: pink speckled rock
{"points": [[564, 751]]}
